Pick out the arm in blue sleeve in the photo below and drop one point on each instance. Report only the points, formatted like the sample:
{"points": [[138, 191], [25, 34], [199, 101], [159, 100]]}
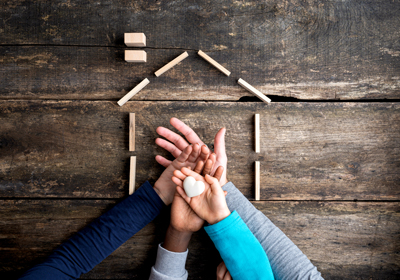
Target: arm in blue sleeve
{"points": [[287, 260], [95, 242], [242, 253]]}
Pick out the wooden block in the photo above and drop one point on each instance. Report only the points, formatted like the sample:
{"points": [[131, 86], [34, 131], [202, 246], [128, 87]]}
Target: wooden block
{"points": [[135, 90], [135, 56], [171, 64], [257, 134], [257, 196], [131, 132], [135, 39], [214, 63], [132, 175], [254, 91]]}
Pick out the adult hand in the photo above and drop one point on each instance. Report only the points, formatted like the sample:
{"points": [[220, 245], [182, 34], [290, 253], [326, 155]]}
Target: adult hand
{"points": [[189, 157], [223, 273], [179, 144], [211, 204]]}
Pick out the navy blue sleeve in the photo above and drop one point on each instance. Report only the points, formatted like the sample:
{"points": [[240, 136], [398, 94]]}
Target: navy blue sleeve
{"points": [[95, 242]]}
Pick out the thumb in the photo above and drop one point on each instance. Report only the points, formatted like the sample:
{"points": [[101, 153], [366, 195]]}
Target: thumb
{"points": [[215, 186], [219, 142]]}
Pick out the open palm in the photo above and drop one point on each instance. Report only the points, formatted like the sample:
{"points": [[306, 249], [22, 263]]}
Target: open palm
{"points": [[177, 143], [189, 157], [211, 204]]}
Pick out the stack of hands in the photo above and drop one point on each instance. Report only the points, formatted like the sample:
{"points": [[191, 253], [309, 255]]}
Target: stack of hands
{"points": [[188, 215], [243, 238]]}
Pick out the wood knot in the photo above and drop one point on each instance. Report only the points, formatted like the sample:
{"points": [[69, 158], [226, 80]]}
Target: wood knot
{"points": [[353, 167]]}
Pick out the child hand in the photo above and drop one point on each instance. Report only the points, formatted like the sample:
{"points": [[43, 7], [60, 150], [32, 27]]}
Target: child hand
{"points": [[211, 204], [183, 219], [190, 156], [223, 272]]}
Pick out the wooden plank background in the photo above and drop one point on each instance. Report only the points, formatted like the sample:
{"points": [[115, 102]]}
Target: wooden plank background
{"points": [[330, 170], [332, 151], [322, 230], [305, 49]]}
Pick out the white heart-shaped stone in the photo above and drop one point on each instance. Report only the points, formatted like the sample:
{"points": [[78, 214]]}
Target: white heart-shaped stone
{"points": [[192, 187]]}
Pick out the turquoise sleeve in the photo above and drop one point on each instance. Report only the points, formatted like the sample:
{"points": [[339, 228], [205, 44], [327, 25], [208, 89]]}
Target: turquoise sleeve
{"points": [[242, 253]]}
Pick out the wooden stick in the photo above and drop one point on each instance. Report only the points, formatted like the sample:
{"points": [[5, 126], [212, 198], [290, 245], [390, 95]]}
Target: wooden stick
{"points": [[254, 91], [132, 175], [135, 56], [131, 132], [257, 136], [171, 64], [135, 90], [257, 196], [214, 63], [135, 39]]}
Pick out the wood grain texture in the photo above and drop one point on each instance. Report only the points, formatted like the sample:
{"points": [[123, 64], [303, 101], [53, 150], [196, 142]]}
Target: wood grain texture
{"points": [[305, 49], [345, 240], [135, 56], [132, 132], [214, 63], [311, 50], [253, 90], [135, 39], [257, 180], [257, 133], [133, 92], [317, 151], [132, 175], [171, 64]]}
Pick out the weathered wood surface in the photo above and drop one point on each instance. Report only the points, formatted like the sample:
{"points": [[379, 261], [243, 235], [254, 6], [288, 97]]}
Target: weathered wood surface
{"points": [[318, 151], [305, 49], [345, 240]]}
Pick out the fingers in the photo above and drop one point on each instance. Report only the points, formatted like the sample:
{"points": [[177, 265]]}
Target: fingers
{"points": [[185, 154], [173, 137], [225, 193], [183, 194], [163, 161], [195, 153], [209, 164], [169, 147], [180, 176], [222, 272], [187, 172], [189, 134], [199, 166], [218, 173], [213, 182], [177, 181], [205, 152], [219, 142]]}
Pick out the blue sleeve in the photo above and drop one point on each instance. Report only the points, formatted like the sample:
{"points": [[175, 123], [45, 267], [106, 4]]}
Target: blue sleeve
{"points": [[242, 253], [95, 242]]}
